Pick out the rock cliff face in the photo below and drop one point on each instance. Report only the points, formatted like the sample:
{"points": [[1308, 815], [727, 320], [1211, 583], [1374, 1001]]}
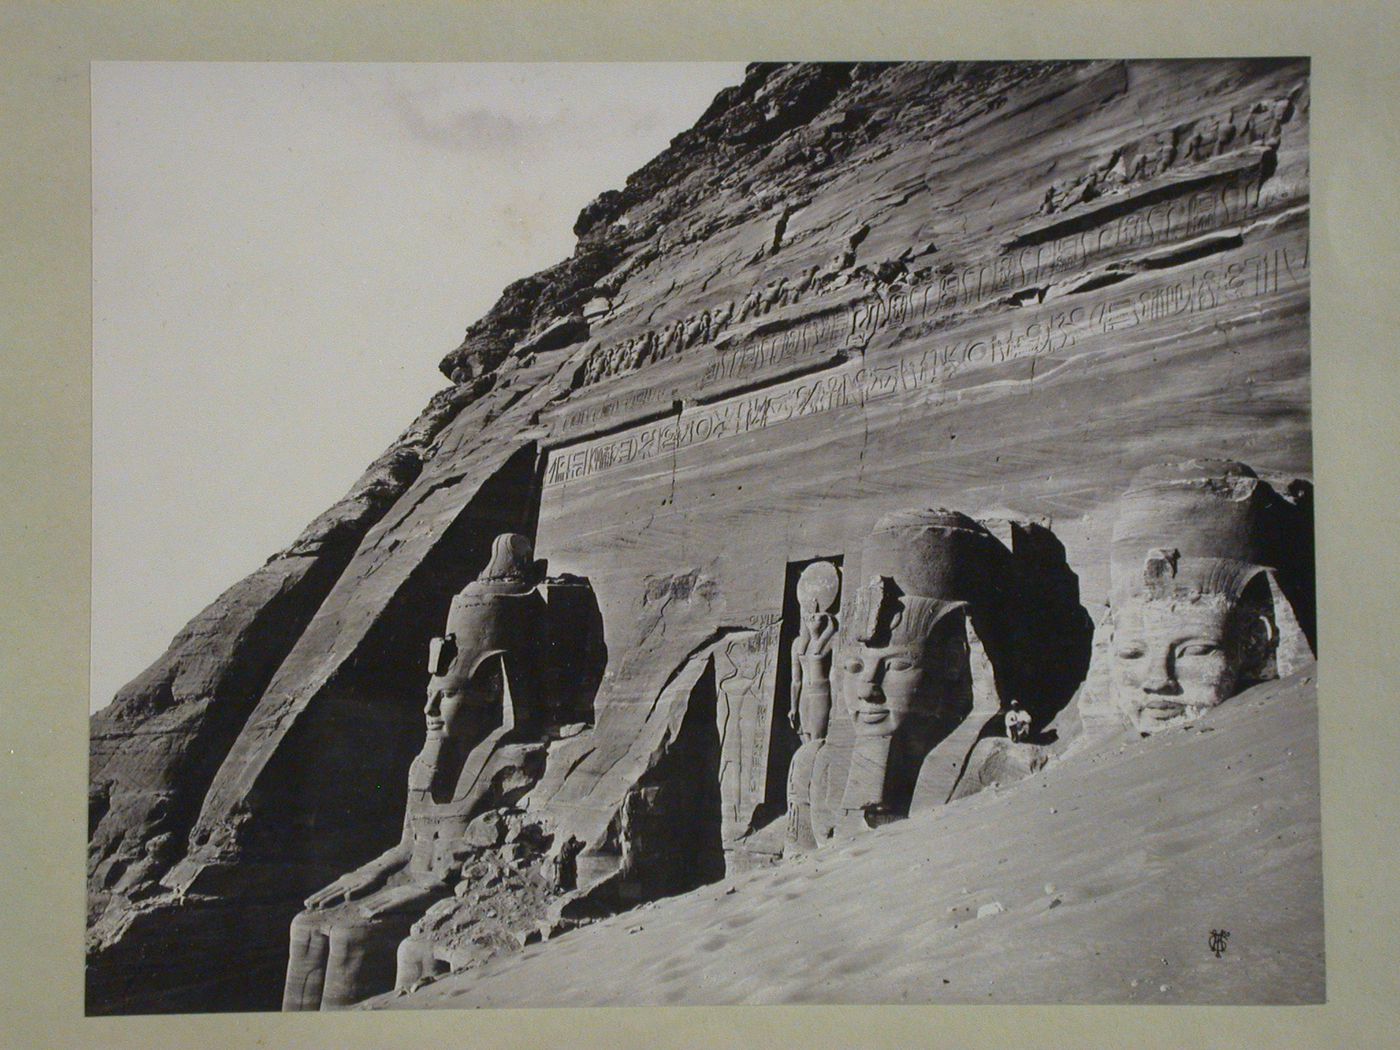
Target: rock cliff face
{"points": [[848, 289]]}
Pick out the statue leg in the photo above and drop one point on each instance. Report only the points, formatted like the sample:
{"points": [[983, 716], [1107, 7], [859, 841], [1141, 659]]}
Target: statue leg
{"points": [[867, 781], [415, 962], [363, 957], [799, 792], [306, 964], [815, 705], [819, 818]]}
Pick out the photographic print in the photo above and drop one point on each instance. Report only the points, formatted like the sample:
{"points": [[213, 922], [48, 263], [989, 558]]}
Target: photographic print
{"points": [[870, 561]]}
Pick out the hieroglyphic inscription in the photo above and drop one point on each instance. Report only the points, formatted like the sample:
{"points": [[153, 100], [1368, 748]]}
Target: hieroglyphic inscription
{"points": [[1143, 213], [1023, 270], [706, 326], [903, 307], [809, 339], [1257, 275], [698, 426], [1235, 130], [1045, 332], [852, 384], [975, 284], [651, 395]]}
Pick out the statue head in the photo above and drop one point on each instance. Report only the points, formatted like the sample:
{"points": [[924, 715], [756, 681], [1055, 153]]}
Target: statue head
{"points": [[483, 667], [905, 659], [1192, 616], [904, 670], [909, 663], [818, 588]]}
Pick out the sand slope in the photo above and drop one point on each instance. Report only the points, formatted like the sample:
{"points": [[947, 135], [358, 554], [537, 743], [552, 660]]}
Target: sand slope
{"points": [[1147, 845]]}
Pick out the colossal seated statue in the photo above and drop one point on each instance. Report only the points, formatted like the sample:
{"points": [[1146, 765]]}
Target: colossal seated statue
{"points": [[904, 667], [1197, 613], [957, 621], [481, 699]]}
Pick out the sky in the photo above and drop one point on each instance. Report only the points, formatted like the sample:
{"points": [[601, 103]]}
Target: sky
{"points": [[282, 253]]}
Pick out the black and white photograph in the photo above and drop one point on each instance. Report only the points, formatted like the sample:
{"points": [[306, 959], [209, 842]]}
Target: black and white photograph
{"points": [[702, 534]]}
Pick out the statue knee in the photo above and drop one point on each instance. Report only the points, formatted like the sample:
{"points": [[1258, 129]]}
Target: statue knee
{"points": [[305, 926]]}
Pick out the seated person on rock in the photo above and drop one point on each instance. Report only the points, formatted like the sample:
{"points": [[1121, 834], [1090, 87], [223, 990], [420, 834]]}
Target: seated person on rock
{"points": [[343, 945], [1018, 723]]}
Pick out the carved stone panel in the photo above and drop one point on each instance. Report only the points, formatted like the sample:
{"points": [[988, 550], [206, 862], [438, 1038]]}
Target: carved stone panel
{"points": [[745, 683]]}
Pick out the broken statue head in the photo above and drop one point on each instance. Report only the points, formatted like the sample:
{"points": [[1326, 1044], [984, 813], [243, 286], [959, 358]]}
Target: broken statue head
{"points": [[1195, 604]]}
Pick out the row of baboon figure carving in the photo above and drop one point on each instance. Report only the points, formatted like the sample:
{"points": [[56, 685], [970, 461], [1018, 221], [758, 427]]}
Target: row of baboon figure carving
{"points": [[1258, 125], [894, 680]]}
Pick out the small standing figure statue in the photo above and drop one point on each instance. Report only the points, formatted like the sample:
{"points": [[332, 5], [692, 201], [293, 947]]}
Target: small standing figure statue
{"points": [[1018, 723], [818, 589]]}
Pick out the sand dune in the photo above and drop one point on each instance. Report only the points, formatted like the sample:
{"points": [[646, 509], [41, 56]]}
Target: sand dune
{"points": [[1111, 869]]}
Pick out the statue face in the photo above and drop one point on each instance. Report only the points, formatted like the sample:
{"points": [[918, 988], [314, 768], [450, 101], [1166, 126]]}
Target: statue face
{"points": [[819, 624], [1174, 660], [452, 702], [883, 686]]}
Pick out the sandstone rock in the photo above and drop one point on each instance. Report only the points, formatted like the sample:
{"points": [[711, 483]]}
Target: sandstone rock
{"points": [[156, 748], [486, 830], [996, 760], [554, 336]]}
